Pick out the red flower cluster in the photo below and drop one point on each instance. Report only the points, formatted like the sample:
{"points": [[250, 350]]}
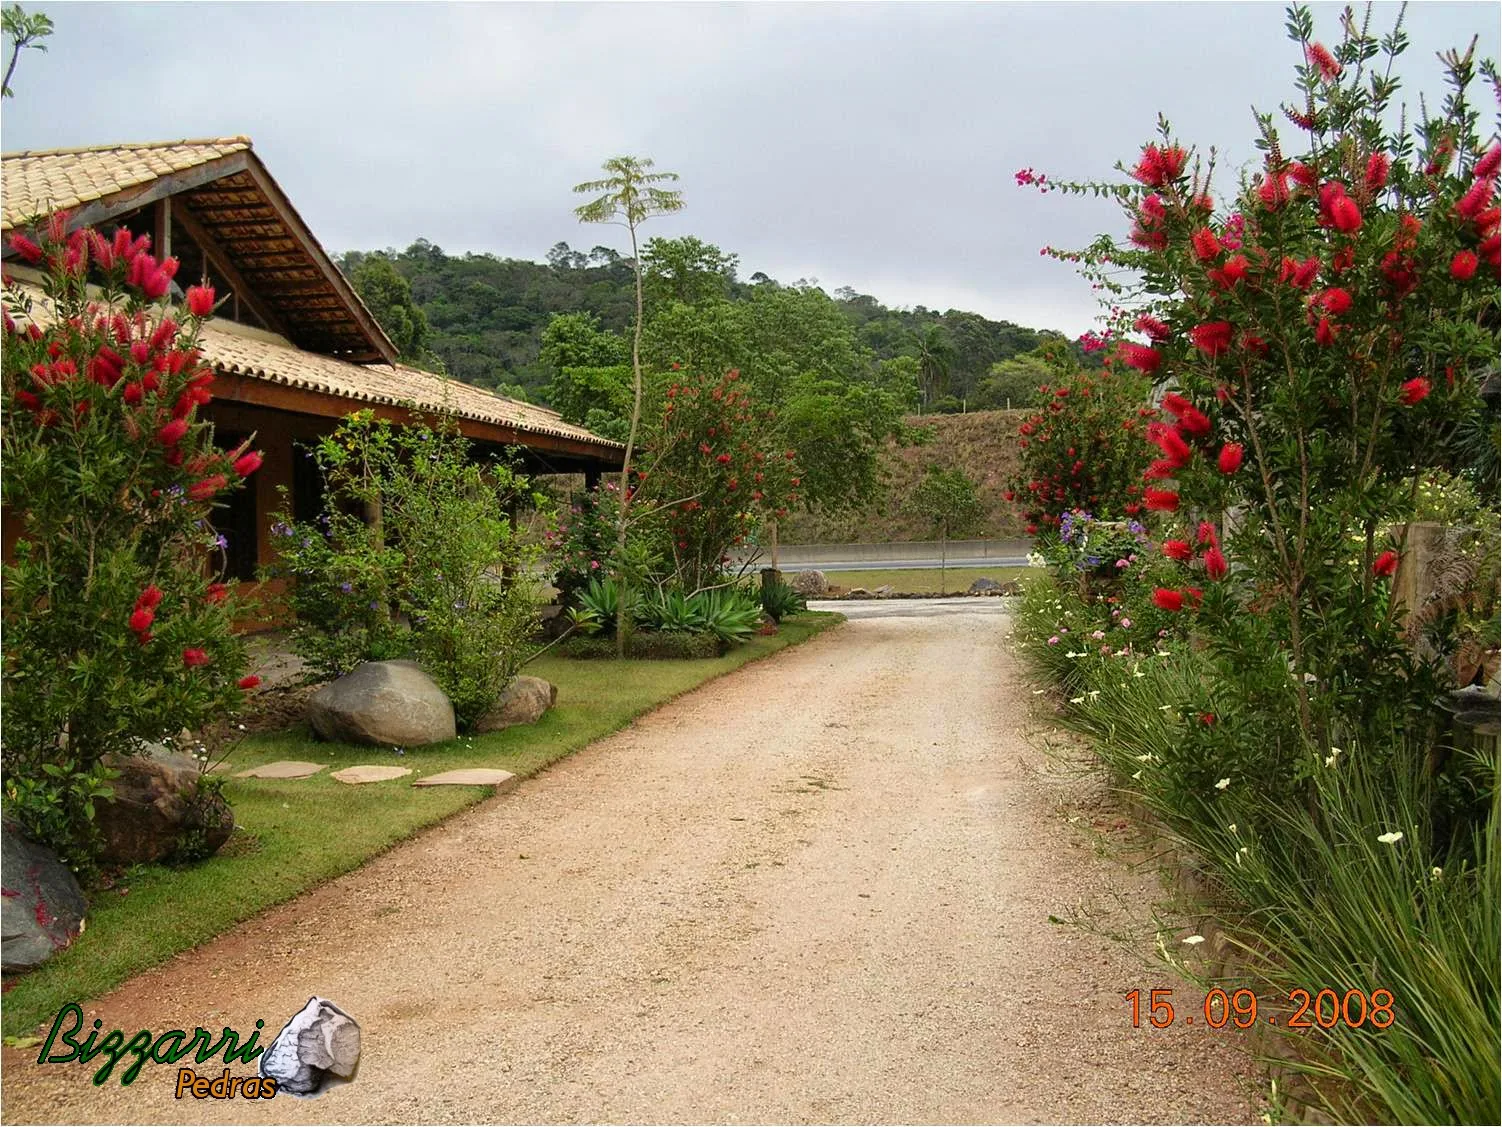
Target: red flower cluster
{"points": [[1338, 210], [144, 613], [1160, 165]]}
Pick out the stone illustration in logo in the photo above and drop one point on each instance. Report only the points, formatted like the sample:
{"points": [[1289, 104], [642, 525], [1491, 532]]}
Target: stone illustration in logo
{"points": [[317, 1048]]}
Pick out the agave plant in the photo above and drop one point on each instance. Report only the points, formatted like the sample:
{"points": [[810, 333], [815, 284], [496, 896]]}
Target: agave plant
{"points": [[730, 614]]}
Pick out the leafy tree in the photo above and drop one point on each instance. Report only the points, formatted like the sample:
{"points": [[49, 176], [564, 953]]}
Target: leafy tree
{"points": [[1014, 382], [687, 270], [388, 296], [946, 498], [23, 31], [629, 196]]}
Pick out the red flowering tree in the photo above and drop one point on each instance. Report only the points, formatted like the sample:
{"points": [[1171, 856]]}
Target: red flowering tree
{"points": [[116, 628], [714, 472], [1081, 448], [1321, 335]]}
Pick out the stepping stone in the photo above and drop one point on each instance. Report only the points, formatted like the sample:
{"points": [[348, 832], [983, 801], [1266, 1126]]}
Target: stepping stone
{"points": [[467, 777], [367, 774], [282, 769]]}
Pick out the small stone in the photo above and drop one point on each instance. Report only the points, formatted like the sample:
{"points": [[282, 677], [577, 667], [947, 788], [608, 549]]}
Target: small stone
{"points": [[467, 777], [282, 769], [318, 1046], [369, 774]]}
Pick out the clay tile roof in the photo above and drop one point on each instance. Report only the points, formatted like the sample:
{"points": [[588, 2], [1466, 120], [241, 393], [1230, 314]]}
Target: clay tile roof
{"points": [[234, 353], [44, 180]]}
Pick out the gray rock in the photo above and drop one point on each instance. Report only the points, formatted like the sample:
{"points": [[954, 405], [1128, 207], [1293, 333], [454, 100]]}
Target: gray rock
{"points": [[159, 809], [857, 593], [883, 592], [385, 704], [985, 585], [318, 1046], [810, 584], [41, 906], [521, 702]]}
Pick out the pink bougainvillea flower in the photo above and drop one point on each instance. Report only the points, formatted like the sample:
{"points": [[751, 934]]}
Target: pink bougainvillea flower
{"points": [[1385, 564], [1161, 500], [193, 656], [1463, 265], [1212, 338], [1230, 457], [1165, 599], [1178, 550], [1414, 391]]}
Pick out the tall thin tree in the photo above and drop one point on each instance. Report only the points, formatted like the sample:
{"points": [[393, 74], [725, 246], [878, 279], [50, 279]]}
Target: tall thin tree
{"points": [[628, 196]]}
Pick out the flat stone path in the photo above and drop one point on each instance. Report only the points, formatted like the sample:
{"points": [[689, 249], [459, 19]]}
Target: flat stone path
{"points": [[816, 890]]}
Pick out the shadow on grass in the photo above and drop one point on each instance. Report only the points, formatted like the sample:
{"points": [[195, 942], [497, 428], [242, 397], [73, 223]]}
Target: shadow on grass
{"points": [[294, 834]]}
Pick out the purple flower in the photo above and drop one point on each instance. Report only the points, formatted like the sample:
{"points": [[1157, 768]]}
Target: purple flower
{"points": [[220, 542], [346, 587]]}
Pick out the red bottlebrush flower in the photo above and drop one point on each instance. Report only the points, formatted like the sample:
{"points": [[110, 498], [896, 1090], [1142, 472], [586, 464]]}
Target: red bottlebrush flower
{"points": [[1231, 273], [1207, 719], [1399, 272], [173, 432], [200, 300], [1174, 447], [1215, 564], [193, 656], [1476, 199], [1175, 404], [1385, 564], [1301, 174], [1272, 190], [1132, 508], [1206, 534], [207, 487], [1491, 250], [27, 249], [1164, 599], [723, 459], [1032, 530], [1212, 338], [1195, 423], [1178, 550], [1324, 333], [1230, 458], [248, 682], [1161, 500], [1155, 329], [1206, 245], [216, 593], [247, 463], [141, 619], [1414, 391], [155, 284], [1488, 165], [1320, 56], [1377, 167], [1161, 468], [1335, 301], [173, 456], [151, 597], [1158, 166], [1463, 265], [1141, 357], [1338, 210], [789, 455], [28, 400]]}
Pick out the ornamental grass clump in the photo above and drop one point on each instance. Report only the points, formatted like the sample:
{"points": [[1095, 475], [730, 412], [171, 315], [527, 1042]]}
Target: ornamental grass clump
{"points": [[117, 626]]}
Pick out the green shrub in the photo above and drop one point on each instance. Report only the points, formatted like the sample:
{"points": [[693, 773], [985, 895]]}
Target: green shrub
{"points": [[779, 601], [659, 645], [731, 614]]}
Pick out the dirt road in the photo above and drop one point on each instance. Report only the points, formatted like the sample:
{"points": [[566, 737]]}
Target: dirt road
{"points": [[818, 889]]}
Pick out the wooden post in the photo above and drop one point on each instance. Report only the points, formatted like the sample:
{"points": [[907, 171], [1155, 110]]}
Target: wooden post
{"points": [[162, 243]]}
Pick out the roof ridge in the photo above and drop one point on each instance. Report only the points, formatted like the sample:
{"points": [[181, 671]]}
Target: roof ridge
{"points": [[239, 139]]}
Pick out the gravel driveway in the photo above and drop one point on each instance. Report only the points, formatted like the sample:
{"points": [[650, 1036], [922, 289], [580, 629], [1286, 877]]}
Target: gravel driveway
{"points": [[817, 889]]}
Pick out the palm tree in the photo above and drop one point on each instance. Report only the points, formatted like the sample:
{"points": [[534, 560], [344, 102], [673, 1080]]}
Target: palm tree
{"points": [[935, 354]]}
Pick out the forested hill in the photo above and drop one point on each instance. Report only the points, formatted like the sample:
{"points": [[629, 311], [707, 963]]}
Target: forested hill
{"points": [[481, 318]]}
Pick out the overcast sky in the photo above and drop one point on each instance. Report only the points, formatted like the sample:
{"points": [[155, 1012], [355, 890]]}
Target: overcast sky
{"points": [[870, 145]]}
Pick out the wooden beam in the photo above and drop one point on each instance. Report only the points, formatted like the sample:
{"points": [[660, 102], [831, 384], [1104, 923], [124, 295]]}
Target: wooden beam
{"points": [[378, 339], [244, 292], [102, 210], [235, 388]]}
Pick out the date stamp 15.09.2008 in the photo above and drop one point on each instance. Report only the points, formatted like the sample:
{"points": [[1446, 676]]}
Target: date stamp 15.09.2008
{"points": [[1301, 1009]]}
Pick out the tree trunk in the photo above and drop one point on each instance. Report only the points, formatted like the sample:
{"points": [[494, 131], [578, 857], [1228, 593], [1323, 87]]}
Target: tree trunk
{"points": [[621, 613]]}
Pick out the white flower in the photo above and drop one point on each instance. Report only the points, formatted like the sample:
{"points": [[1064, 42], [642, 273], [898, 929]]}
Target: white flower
{"points": [[1335, 753], [1035, 559], [1039, 692], [1164, 707], [1232, 828], [1194, 940], [1436, 872], [1148, 758], [1391, 838], [1223, 783], [1076, 700], [1071, 653], [1136, 774]]}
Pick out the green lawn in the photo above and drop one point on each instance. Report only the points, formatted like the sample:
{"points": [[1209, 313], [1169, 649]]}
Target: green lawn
{"points": [[293, 835], [920, 579]]}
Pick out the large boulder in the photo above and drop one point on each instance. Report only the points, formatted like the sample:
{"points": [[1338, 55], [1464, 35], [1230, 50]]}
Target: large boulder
{"points": [[41, 906], [522, 702], [384, 704], [810, 584], [159, 811]]}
